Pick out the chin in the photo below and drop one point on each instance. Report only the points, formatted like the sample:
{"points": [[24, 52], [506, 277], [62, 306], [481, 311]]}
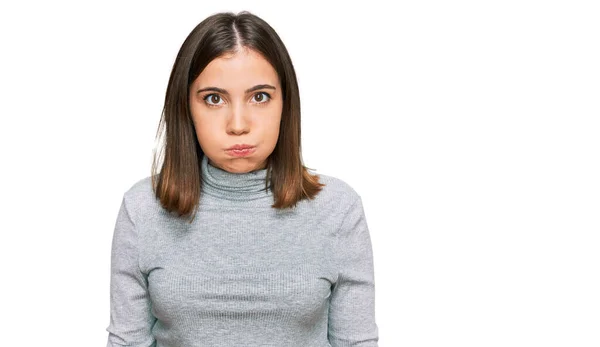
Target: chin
{"points": [[241, 165]]}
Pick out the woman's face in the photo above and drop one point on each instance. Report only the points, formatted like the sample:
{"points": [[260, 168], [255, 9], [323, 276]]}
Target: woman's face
{"points": [[237, 100]]}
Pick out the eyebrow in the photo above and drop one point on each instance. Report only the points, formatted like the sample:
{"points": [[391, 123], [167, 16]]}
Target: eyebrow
{"points": [[249, 90]]}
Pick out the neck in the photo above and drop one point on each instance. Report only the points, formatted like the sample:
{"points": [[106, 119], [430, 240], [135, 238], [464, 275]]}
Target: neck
{"points": [[227, 185]]}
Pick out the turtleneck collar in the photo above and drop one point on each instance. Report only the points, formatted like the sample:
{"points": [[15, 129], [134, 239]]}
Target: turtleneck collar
{"points": [[233, 186]]}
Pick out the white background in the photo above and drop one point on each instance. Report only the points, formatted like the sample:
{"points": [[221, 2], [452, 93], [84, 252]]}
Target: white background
{"points": [[470, 129]]}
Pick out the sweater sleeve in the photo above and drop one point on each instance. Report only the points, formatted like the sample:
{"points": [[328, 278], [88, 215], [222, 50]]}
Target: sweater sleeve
{"points": [[131, 319], [352, 306]]}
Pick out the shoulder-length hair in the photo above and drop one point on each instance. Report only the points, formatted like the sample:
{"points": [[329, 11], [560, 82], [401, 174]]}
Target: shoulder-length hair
{"points": [[178, 185]]}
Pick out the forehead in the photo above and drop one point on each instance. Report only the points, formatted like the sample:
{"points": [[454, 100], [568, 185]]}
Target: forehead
{"points": [[237, 71]]}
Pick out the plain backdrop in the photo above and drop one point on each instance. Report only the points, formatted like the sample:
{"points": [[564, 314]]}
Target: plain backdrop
{"points": [[469, 128]]}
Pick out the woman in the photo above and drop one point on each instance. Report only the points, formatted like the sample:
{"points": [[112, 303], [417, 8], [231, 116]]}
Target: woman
{"points": [[234, 242]]}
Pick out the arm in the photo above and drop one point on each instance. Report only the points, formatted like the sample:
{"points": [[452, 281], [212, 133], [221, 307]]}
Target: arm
{"points": [[131, 320], [352, 306]]}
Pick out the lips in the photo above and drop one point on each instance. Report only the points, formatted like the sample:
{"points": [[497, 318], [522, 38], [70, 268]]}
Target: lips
{"points": [[240, 146], [245, 151]]}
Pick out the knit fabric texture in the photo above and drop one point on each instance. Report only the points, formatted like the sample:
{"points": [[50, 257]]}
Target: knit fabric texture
{"points": [[242, 273]]}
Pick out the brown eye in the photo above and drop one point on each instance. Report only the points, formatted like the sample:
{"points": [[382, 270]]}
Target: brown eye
{"points": [[212, 99], [260, 98]]}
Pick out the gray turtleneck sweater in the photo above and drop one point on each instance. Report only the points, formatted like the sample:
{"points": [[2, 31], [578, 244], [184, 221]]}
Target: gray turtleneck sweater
{"points": [[243, 273]]}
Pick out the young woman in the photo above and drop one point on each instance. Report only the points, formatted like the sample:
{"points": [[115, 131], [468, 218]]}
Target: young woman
{"points": [[234, 242]]}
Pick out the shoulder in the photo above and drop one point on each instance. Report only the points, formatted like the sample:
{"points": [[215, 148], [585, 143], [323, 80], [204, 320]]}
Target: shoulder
{"points": [[140, 197], [337, 195], [140, 189], [337, 187], [337, 204]]}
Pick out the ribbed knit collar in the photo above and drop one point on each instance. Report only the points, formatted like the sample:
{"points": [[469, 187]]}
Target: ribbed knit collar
{"points": [[233, 186]]}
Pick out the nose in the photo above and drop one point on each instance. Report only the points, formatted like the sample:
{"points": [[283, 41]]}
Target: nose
{"points": [[238, 121]]}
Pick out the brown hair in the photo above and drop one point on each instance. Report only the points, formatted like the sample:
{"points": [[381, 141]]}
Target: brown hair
{"points": [[179, 183]]}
